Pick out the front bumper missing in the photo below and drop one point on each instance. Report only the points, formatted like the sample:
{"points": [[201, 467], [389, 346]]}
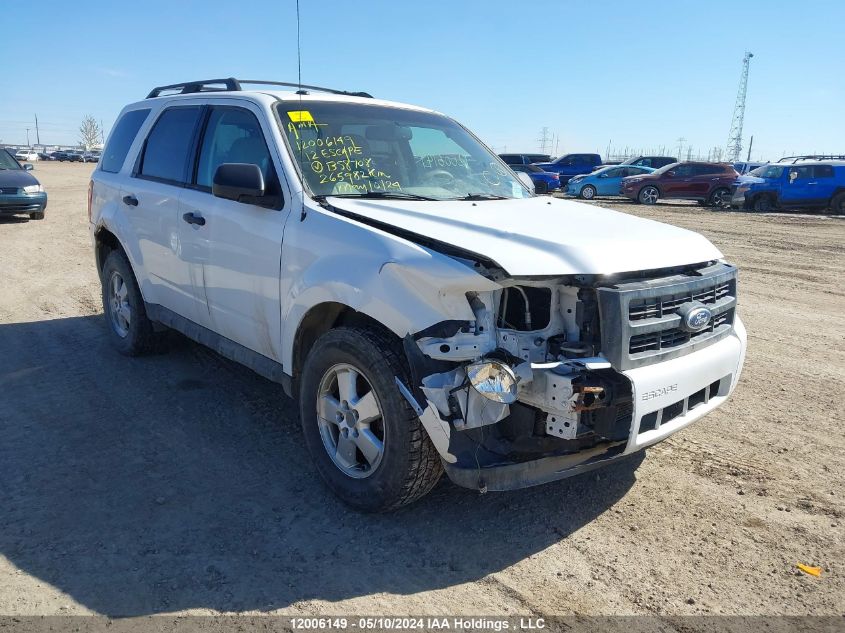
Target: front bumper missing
{"points": [[667, 397]]}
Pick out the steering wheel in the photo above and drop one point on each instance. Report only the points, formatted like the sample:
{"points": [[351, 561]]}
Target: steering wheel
{"points": [[440, 177]]}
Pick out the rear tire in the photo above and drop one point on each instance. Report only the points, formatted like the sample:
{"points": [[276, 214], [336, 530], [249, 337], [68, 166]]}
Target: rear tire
{"points": [[404, 465], [588, 192], [541, 187], [38, 215], [129, 328], [837, 205], [718, 197], [648, 195]]}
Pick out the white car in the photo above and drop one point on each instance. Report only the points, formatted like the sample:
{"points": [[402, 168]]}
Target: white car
{"points": [[424, 307], [26, 155]]}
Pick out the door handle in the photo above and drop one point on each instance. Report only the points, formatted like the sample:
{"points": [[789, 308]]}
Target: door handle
{"points": [[130, 200], [194, 218]]}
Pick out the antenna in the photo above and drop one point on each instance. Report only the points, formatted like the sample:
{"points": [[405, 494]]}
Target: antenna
{"points": [[734, 147], [299, 91]]}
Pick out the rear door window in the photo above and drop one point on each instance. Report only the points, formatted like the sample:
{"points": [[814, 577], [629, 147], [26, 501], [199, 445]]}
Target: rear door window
{"points": [[168, 149], [707, 170]]}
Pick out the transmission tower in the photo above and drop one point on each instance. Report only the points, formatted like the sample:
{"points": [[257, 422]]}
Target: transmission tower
{"points": [[544, 139], [734, 148]]}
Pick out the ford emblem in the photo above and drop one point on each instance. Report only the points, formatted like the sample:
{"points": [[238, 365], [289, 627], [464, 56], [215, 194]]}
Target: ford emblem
{"points": [[696, 318]]}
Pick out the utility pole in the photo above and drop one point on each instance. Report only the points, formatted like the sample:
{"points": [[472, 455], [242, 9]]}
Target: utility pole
{"points": [[750, 144], [27, 136], [734, 148], [102, 134], [37, 133]]}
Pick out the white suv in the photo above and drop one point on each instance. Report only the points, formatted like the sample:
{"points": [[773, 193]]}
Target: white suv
{"points": [[424, 307]]}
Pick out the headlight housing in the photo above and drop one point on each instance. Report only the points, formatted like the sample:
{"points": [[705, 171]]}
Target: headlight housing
{"points": [[494, 380], [34, 189]]}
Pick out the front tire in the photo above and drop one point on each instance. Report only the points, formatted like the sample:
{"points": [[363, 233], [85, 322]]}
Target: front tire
{"points": [[129, 328], [648, 195], [37, 215], [763, 204], [588, 192], [365, 439]]}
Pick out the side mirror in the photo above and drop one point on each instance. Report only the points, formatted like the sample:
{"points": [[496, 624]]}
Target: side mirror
{"points": [[234, 181], [671, 174], [27, 167], [526, 180], [604, 175]]}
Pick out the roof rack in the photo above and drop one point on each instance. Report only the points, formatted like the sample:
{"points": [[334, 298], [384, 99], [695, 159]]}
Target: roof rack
{"points": [[795, 159], [232, 84]]}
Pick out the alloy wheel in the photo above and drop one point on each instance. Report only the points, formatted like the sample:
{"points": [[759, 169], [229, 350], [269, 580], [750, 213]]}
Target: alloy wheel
{"points": [[120, 312], [349, 415]]}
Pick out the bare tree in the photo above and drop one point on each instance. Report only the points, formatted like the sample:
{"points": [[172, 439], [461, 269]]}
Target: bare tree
{"points": [[89, 132]]}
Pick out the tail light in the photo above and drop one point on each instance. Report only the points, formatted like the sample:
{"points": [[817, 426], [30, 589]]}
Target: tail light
{"points": [[90, 195], [555, 177]]}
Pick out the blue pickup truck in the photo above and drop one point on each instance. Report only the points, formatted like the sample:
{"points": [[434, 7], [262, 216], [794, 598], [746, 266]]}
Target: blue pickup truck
{"points": [[572, 165], [806, 185]]}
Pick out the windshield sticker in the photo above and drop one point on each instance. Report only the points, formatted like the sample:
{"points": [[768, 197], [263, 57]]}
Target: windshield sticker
{"points": [[300, 116]]}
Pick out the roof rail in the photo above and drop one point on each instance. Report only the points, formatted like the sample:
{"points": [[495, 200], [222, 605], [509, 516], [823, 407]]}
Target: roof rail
{"points": [[795, 159], [232, 84]]}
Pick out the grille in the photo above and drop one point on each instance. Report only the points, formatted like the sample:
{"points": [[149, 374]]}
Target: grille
{"points": [[676, 336], [658, 307], [9, 191], [639, 319]]}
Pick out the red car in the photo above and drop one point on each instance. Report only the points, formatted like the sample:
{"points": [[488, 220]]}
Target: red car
{"points": [[709, 183]]}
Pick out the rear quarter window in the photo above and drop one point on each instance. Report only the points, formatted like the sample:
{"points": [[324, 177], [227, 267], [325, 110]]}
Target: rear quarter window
{"points": [[121, 140], [823, 171]]}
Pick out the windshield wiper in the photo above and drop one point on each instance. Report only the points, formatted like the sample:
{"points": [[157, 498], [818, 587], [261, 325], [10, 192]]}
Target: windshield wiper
{"points": [[482, 196], [380, 195]]}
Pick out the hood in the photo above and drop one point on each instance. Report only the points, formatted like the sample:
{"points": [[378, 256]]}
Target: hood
{"points": [[16, 178], [542, 236], [749, 180]]}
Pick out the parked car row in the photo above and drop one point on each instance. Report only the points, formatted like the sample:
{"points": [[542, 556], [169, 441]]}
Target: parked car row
{"points": [[804, 185], [570, 165], [29, 154]]}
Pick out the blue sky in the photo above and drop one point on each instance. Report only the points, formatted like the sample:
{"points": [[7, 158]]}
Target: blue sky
{"points": [[635, 74]]}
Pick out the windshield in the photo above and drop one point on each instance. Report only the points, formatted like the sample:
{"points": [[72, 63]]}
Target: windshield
{"points": [[352, 149], [6, 161]]}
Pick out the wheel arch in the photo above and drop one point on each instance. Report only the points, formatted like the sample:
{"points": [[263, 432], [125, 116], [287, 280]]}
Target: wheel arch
{"points": [[322, 318]]}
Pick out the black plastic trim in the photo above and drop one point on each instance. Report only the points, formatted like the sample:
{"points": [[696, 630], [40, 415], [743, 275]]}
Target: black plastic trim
{"points": [[260, 364]]}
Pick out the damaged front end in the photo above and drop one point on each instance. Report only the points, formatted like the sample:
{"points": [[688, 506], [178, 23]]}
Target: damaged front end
{"points": [[520, 395], [556, 376]]}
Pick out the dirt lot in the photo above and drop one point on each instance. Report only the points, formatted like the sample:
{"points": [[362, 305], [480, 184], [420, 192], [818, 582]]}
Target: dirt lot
{"points": [[178, 482]]}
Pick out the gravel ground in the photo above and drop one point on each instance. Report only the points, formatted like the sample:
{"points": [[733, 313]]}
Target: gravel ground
{"points": [[179, 483]]}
